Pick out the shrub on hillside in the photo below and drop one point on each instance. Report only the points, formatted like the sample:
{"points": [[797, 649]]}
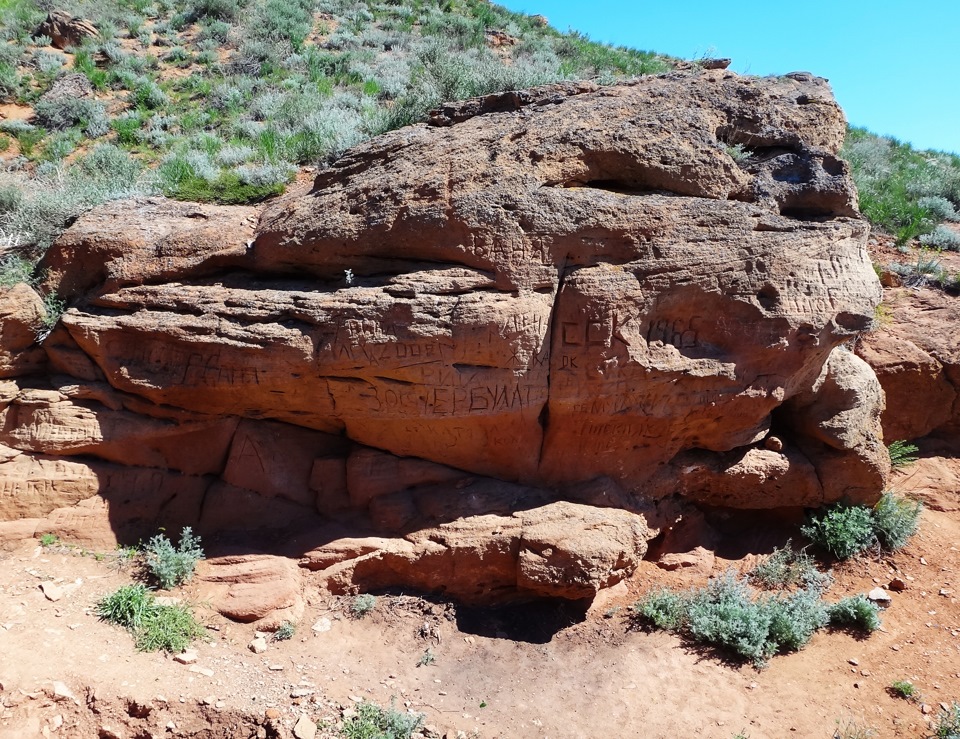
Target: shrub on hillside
{"points": [[59, 114], [942, 238]]}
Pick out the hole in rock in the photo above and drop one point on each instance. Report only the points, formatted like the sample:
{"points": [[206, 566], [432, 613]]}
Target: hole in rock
{"points": [[768, 297], [743, 532], [534, 622]]}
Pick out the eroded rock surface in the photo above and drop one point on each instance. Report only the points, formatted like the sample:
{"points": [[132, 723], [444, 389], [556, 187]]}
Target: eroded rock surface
{"points": [[916, 356], [477, 353]]}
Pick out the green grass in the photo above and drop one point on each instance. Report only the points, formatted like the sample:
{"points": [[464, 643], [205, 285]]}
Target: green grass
{"points": [[154, 626], [904, 689]]}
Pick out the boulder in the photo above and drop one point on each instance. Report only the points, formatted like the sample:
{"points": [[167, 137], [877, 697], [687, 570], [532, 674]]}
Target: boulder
{"points": [[916, 357], [65, 30], [21, 313], [560, 550], [258, 589], [489, 355], [592, 297]]}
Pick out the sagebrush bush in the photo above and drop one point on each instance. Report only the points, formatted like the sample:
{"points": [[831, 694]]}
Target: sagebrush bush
{"points": [[664, 609], [856, 611], [787, 567], [895, 520], [362, 604], [60, 114], [171, 566], [942, 237], [370, 721], [948, 722], [939, 208], [729, 614], [842, 530]]}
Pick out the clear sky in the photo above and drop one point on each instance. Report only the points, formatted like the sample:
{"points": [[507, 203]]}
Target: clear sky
{"points": [[894, 66]]}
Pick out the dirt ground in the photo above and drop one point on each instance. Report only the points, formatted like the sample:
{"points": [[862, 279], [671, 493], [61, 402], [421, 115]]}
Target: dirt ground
{"points": [[543, 670]]}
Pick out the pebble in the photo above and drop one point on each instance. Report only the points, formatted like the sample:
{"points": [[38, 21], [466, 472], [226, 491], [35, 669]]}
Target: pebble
{"points": [[276, 668], [202, 670], [187, 657], [879, 595], [925, 709], [302, 692], [258, 645], [897, 585], [323, 625], [51, 592], [304, 728], [853, 662]]}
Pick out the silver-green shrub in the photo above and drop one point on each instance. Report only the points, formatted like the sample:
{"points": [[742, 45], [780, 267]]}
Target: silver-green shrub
{"points": [[171, 566]]}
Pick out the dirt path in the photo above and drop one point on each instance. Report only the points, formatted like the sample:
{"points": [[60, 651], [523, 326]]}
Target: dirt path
{"points": [[541, 671]]}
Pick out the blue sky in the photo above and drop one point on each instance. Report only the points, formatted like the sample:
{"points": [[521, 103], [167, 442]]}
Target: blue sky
{"points": [[894, 66]]}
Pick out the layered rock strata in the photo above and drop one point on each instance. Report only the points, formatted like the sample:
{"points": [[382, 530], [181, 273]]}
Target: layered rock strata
{"points": [[482, 355]]}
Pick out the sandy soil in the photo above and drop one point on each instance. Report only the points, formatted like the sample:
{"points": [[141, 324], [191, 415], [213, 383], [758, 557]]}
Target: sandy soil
{"points": [[545, 670]]}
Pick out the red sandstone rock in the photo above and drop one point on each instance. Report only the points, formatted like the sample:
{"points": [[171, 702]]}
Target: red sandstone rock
{"points": [[253, 588], [21, 311], [568, 291], [916, 357]]}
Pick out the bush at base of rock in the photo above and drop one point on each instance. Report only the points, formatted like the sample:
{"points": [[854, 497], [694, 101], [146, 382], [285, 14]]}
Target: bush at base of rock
{"points": [[844, 531], [730, 615]]}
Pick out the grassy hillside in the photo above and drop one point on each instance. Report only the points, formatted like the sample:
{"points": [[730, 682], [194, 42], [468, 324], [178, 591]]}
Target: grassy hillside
{"points": [[222, 100], [904, 191]]}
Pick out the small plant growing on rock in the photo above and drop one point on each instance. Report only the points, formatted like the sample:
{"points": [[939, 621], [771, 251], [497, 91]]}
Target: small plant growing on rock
{"points": [[902, 453], [363, 604], [48, 540], [171, 566], [285, 632], [427, 658]]}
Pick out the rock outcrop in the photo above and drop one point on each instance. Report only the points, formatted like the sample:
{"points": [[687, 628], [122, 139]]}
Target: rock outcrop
{"points": [[481, 355], [916, 357], [66, 31]]}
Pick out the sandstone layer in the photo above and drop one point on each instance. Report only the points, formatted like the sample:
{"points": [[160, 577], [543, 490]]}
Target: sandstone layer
{"points": [[916, 357], [484, 355]]}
